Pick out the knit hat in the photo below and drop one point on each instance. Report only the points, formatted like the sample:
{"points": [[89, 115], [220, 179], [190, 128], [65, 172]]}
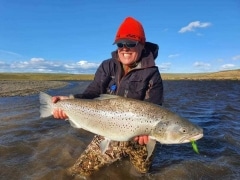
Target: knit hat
{"points": [[130, 29]]}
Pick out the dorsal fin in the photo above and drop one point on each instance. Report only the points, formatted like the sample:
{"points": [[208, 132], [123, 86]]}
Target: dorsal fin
{"points": [[106, 96]]}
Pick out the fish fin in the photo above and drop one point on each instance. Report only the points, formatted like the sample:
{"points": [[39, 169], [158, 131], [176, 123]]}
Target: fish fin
{"points": [[71, 96], [74, 125], [104, 145], [106, 96], [150, 147], [45, 105]]}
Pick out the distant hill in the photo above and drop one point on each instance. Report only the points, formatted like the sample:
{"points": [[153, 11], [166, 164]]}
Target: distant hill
{"points": [[233, 74], [221, 75]]}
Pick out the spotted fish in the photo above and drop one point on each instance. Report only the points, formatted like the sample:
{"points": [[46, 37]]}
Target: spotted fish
{"points": [[121, 119]]}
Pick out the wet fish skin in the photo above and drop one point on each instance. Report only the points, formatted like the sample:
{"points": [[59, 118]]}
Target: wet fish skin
{"points": [[121, 119]]}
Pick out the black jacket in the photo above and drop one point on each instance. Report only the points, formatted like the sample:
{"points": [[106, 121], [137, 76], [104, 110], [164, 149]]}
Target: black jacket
{"points": [[142, 82]]}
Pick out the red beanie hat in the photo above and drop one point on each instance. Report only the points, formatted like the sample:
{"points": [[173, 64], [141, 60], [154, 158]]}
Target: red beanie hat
{"points": [[131, 29]]}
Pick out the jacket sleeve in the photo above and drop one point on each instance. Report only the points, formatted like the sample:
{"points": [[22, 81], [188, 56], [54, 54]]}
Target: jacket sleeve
{"points": [[154, 93], [98, 85]]}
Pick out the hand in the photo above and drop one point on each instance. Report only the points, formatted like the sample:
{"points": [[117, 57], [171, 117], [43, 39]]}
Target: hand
{"points": [[141, 139], [58, 113]]}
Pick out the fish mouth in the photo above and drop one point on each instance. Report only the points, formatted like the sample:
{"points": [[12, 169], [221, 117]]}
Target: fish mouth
{"points": [[192, 138]]}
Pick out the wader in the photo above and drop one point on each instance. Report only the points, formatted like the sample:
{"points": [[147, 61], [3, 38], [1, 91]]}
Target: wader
{"points": [[92, 159]]}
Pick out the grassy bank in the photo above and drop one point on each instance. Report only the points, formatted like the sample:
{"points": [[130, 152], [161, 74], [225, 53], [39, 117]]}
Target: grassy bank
{"points": [[44, 76], [221, 75]]}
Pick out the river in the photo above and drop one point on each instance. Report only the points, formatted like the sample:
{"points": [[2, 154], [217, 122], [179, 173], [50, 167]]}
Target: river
{"points": [[42, 149]]}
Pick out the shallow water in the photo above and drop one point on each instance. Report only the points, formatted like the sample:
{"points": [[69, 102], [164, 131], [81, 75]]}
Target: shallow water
{"points": [[34, 148]]}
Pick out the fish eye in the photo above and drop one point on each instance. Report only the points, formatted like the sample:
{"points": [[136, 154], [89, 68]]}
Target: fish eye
{"points": [[183, 130]]}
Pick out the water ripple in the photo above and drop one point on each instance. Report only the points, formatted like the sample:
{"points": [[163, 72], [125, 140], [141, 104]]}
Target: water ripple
{"points": [[35, 148]]}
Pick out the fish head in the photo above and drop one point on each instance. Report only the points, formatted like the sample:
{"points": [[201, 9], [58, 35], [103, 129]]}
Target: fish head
{"points": [[177, 130]]}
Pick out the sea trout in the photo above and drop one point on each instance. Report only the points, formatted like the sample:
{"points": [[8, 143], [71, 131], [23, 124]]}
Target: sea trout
{"points": [[121, 119]]}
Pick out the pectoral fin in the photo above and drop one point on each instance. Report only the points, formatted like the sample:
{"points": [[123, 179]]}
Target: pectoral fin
{"points": [[73, 124], [104, 145], [150, 147]]}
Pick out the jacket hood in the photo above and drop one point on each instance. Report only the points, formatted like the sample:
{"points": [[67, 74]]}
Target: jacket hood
{"points": [[153, 48], [149, 54]]}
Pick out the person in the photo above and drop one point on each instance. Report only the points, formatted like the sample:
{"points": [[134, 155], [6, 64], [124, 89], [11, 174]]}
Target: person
{"points": [[130, 72]]}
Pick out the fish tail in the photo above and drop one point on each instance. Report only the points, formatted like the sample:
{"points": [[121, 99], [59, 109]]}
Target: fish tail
{"points": [[46, 105]]}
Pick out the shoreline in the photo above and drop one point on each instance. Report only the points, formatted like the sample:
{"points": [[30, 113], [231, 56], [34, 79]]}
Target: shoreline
{"points": [[23, 84], [10, 88], [220, 75]]}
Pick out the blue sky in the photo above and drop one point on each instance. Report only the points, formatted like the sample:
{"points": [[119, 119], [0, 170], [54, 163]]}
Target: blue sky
{"points": [[75, 36]]}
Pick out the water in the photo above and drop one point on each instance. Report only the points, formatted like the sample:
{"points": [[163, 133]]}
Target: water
{"points": [[33, 148]]}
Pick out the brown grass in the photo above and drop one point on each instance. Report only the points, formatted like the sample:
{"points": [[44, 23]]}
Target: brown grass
{"points": [[44, 76], [221, 75]]}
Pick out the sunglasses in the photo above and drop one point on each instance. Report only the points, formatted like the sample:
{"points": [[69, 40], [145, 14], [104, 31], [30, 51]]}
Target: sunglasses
{"points": [[127, 45]]}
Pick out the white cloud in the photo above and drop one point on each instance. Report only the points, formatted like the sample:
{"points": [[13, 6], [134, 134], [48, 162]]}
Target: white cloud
{"points": [[34, 64], [173, 55], [42, 65], [81, 66], [69, 66], [227, 66], [87, 65], [3, 65], [202, 65], [36, 60], [237, 57], [164, 66], [220, 60], [193, 25]]}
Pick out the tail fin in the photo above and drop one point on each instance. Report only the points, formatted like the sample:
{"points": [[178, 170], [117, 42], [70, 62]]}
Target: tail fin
{"points": [[46, 105]]}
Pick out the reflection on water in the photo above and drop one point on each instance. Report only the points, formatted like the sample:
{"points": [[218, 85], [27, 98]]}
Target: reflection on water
{"points": [[34, 148]]}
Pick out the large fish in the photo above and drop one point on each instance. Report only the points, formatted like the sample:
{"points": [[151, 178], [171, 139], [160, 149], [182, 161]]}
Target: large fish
{"points": [[121, 119]]}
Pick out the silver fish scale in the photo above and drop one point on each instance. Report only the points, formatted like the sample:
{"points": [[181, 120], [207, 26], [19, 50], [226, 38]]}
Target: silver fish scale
{"points": [[112, 117], [121, 119]]}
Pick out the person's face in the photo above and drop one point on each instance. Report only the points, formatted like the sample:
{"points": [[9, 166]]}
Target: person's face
{"points": [[129, 55]]}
